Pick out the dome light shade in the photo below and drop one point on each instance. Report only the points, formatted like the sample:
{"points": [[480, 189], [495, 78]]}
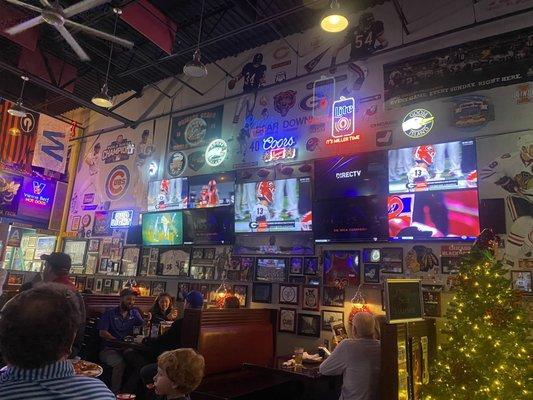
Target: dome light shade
{"points": [[334, 20], [102, 98], [16, 110], [195, 68]]}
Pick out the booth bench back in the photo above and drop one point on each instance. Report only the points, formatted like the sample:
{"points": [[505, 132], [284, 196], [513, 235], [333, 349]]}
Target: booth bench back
{"points": [[95, 305]]}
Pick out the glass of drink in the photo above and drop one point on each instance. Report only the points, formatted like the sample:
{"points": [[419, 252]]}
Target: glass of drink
{"points": [[298, 356]]}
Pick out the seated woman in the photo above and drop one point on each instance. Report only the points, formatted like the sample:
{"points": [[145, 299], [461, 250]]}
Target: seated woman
{"points": [[163, 309], [358, 360], [231, 302]]}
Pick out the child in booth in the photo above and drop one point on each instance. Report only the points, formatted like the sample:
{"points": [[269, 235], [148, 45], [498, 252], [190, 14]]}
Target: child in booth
{"points": [[179, 372]]}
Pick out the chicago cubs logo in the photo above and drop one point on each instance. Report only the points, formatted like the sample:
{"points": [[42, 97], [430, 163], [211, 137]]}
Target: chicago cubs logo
{"points": [[284, 101], [117, 182], [27, 123]]}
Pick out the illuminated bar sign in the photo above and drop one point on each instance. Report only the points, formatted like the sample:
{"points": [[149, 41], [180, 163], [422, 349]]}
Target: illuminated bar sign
{"points": [[343, 121], [36, 198], [279, 149], [121, 219]]}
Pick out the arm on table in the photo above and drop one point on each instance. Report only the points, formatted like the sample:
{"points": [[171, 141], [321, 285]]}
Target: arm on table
{"points": [[335, 364]]}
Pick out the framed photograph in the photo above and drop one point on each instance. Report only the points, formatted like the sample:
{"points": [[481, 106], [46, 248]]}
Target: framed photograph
{"points": [[309, 325], [91, 263], [339, 331], [311, 297], [262, 293], [432, 303], [103, 265], [331, 317], [289, 294], [198, 253], [392, 254], [99, 285], [287, 320], [32, 241], [209, 253], [449, 265], [183, 290], [94, 245], [241, 292], [234, 263], [174, 262], [521, 281], [152, 268], [371, 273], [15, 279], [333, 296], [106, 247], [130, 260], [76, 250], [310, 265], [90, 283], [154, 254], [157, 287], [296, 266], [117, 284], [297, 279], [75, 223], [392, 267], [45, 245]]}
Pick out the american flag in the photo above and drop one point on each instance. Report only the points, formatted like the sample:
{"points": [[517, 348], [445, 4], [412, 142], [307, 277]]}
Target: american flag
{"points": [[17, 135]]}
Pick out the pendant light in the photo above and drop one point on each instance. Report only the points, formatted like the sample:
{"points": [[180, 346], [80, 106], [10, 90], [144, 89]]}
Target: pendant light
{"points": [[334, 20], [102, 98], [16, 109], [196, 68]]}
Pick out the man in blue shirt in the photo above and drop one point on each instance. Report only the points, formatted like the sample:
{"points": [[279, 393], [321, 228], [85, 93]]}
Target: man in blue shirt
{"points": [[114, 325], [37, 330]]}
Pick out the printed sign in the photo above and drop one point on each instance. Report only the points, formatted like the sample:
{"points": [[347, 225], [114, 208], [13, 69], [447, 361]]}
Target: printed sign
{"points": [[117, 182], [118, 150], [418, 123], [9, 193], [195, 129], [121, 219], [51, 144], [216, 152], [177, 163], [472, 112]]}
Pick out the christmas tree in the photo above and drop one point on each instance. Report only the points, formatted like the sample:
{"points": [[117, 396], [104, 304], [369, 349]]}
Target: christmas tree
{"points": [[487, 353]]}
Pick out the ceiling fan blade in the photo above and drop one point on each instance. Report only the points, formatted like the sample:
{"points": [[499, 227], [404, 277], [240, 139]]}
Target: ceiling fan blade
{"points": [[82, 6], [24, 25], [72, 42], [100, 34], [28, 6], [46, 3]]}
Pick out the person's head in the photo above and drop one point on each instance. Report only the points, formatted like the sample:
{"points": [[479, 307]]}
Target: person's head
{"points": [[55, 264], [127, 299], [258, 59], [194, 299], [164, 301], [178, 372], [364, 325], [231, 302], [38, 326], [120, 138]]}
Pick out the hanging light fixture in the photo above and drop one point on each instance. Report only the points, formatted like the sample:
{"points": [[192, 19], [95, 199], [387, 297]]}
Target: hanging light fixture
{"points": [[196, 68], [102, 98], [334, 20], [16, 109], [358, 301]]}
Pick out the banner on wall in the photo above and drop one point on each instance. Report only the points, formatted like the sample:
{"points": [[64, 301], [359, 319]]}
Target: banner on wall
{"points": [[17, 135], [195, 130], [52, 144], [483, 64], [9, 193]]}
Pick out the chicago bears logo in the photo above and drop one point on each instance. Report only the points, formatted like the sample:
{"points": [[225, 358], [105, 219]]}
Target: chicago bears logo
{"points": [[117, 182], [284, 101]]}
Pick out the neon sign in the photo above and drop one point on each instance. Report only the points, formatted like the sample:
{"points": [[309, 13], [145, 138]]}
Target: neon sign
{"points": [[279, 149], [343, 121], [36, 195], [121, 219]]}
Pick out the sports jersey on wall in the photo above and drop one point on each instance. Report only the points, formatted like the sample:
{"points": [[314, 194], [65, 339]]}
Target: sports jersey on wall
{"points": [[341, 268]]}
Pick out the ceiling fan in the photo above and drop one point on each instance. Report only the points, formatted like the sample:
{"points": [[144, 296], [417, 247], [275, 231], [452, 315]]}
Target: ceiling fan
{"points": [[53, 14]]}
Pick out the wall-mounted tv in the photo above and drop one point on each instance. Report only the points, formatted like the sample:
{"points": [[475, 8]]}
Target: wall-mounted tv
{"points": [[162, 228], [351, 220], [351, 176], [273, 206], [447, 215], [443, 166], [271, 269], [168, 194], [211, 190], [209, 226]]}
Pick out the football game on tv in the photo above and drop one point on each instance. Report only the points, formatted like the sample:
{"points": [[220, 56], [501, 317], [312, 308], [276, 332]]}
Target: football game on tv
{"points": [[271, 269], [162, 228], [211, 190], [273, 206], [443, 166], [168, 194], [447, 215]]}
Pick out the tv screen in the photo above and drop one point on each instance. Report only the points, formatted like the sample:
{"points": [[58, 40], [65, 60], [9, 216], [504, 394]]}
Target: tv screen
{"points": [[271, 269], [351, 176], [162, 228], [443, 166], [209, 226], [341, 268], [351, 220], [273, 206], [448, 215], [211, 190], [168, 194]]}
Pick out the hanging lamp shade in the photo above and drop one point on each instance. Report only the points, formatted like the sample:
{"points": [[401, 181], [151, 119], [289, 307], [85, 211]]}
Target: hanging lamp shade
{"points": [[16, 110], [334, 19], [195, 68], [102, 98]]}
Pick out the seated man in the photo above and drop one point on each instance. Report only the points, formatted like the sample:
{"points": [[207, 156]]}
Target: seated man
{"points": [[37, 330], [114, 325], [358, 360]]}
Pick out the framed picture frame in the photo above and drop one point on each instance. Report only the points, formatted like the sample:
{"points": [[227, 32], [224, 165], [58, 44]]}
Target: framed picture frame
{"points": [[91, 263], [241, 292], [99, 285], [333, 296], [262, 292], [296, 265], [90, 283], [94, 245], [289, 294], [197, 253], [310, 297], [521, 281], [102, 269], [117, 284], [209, 253], [392, 267], [371, 273], [157, 287], [297, 279], [330, 317], [432, 303], [75, 223], [313, 280], [287, 320], [234, 263], [310, 265], [309, 325]]}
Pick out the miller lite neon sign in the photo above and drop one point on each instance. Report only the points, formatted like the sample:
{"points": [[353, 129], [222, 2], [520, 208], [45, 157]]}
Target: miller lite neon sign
{"points": [[343, 121]]}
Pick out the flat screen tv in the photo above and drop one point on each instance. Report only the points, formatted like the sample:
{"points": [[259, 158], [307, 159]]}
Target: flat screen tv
{"points": [[211, 190], [447, 215], [443, 166], [403, 300], [209, 226], [273, 206], [168, 194], [351, 176], [271, 269], [162, 228], [341, 268], [134, 235], [359, 219]]}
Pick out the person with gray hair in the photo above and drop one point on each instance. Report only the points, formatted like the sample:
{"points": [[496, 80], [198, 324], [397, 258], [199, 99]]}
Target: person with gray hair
{"points": [[358, 360]]}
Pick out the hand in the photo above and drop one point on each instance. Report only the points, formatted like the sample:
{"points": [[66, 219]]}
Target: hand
{"points": [[174, 314]]}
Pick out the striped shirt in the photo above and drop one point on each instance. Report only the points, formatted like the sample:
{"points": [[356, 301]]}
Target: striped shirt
{"points": [[56, 381]]}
